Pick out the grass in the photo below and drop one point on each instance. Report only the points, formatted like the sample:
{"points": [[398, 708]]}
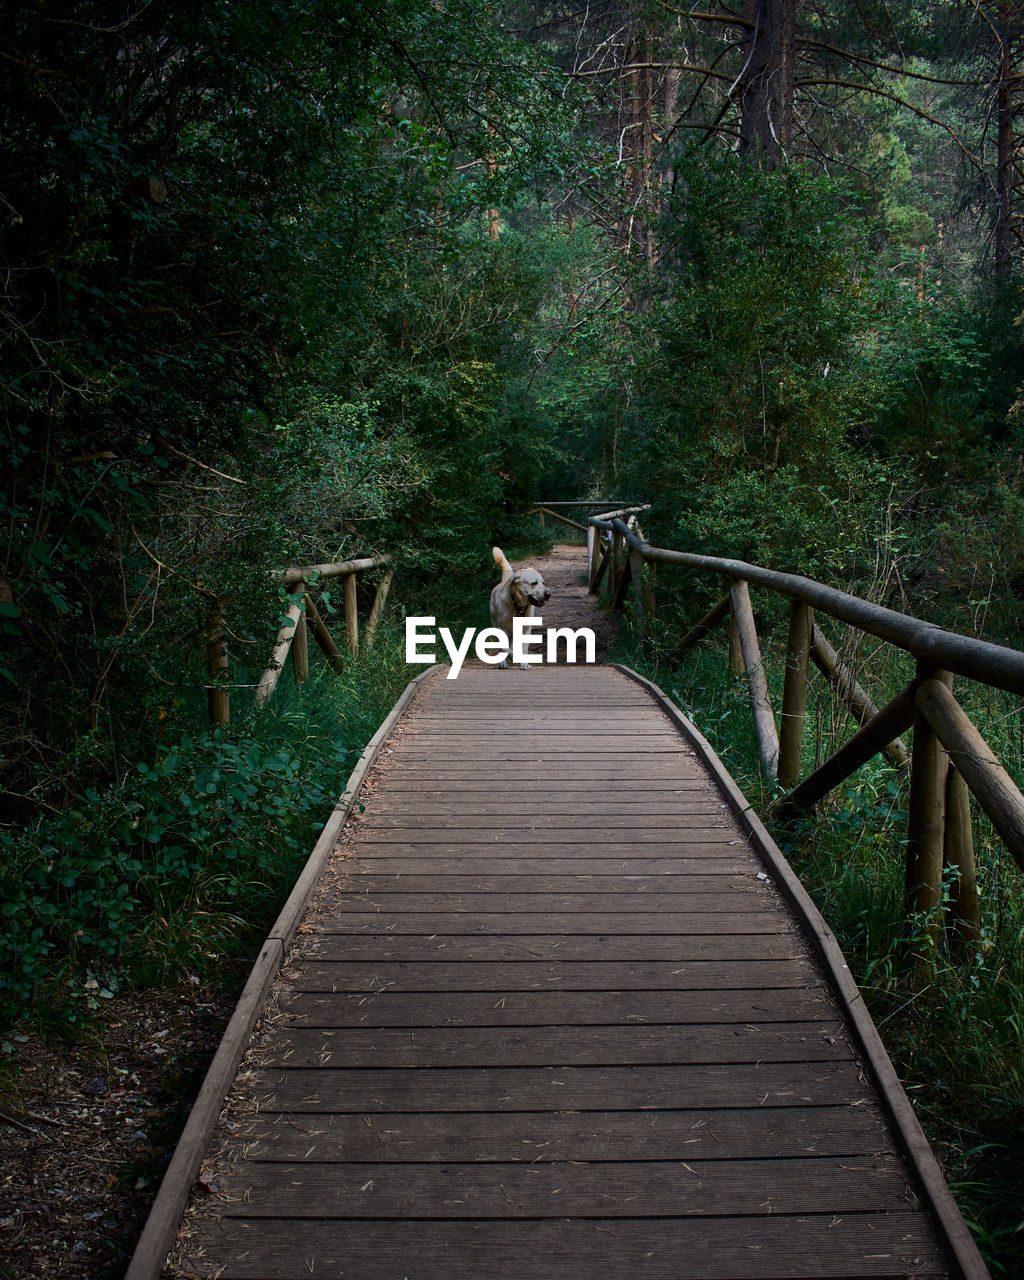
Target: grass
{"points": [[954, 1026], [182, 862]]}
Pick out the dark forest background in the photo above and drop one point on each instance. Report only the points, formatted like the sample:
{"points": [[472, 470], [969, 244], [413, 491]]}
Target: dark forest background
{"points": [[283, 283]]}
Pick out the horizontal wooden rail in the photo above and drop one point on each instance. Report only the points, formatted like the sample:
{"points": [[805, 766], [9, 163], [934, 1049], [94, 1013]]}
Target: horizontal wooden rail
{"points": [[950, 757], [991, 664], [542, 511], [340, 569], [615, 515], [579, 502]]}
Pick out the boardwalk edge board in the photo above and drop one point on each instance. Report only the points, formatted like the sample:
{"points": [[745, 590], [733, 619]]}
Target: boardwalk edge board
{"points": [[158, 1234], [911, 1137]]}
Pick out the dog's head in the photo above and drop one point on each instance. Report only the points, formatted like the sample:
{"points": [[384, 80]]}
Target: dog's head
{"points": [[528, 588]]}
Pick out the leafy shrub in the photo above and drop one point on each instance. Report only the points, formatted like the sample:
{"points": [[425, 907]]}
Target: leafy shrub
{"points": [[183, 858]]}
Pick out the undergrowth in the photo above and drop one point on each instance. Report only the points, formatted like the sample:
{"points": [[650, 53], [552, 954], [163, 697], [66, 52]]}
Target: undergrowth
{"points": [[954, 1025], [182, 861]]}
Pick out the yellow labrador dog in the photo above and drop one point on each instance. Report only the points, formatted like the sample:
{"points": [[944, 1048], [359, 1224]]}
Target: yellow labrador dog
{"points": [[520, 593]]}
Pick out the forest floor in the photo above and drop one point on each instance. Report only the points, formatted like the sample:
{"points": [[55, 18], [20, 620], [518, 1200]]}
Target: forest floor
{"points": [[87, 1127]]}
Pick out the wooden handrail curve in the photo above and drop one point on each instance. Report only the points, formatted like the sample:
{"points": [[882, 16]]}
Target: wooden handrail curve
{"points": [[991, 664], [950, 757]]}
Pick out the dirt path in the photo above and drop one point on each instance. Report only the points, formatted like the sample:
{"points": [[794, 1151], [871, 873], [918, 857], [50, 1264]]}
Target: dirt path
{"points": [[564, 571]]}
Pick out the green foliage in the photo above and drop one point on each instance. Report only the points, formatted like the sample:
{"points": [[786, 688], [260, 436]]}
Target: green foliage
{"points": [[185, 857], [252, 318], [757, 383]]}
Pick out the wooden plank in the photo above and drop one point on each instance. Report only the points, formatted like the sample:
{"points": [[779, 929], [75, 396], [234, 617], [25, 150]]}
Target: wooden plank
{"points": [[402, 785], [514, 718], [598, 923], [437, 819], [497, 749], [553, 1008], [569, 766], [436, 882], [540, 975], [572, 947], [565, 769], [611, 1190], [559, 1088], [781, 1247], [704, 846], [528, 737], [539, 1136], [599, 805], [579, 837], [748, 899], [429, 1048], [378, 863], [561, 795]]}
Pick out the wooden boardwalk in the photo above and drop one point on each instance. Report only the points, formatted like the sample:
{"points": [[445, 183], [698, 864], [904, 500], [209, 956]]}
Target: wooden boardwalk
{"points": [[550, 1013]]}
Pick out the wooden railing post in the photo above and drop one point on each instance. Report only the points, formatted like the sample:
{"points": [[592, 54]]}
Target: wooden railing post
{"points": [[605, 561], [379, 601], [593, 558], [645, 577], [989, 782], [794, 693], [617, 569], [760, 705], [286, 634], [351, 616], [958, 856], [218, 698], [926, 826], [301, 641]]}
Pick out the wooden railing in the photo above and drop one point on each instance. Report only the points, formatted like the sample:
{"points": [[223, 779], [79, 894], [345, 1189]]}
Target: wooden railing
{"points": [[293, 634], [543, 509], [949, 760]]}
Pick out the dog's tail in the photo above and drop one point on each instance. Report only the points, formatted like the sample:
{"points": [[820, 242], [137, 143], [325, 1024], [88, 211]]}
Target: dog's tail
{"points": [[506, 569]]}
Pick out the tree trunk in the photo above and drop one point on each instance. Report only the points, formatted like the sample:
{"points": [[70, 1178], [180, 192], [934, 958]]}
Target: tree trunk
{"points": [[1004, 238], [767, 81]]}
